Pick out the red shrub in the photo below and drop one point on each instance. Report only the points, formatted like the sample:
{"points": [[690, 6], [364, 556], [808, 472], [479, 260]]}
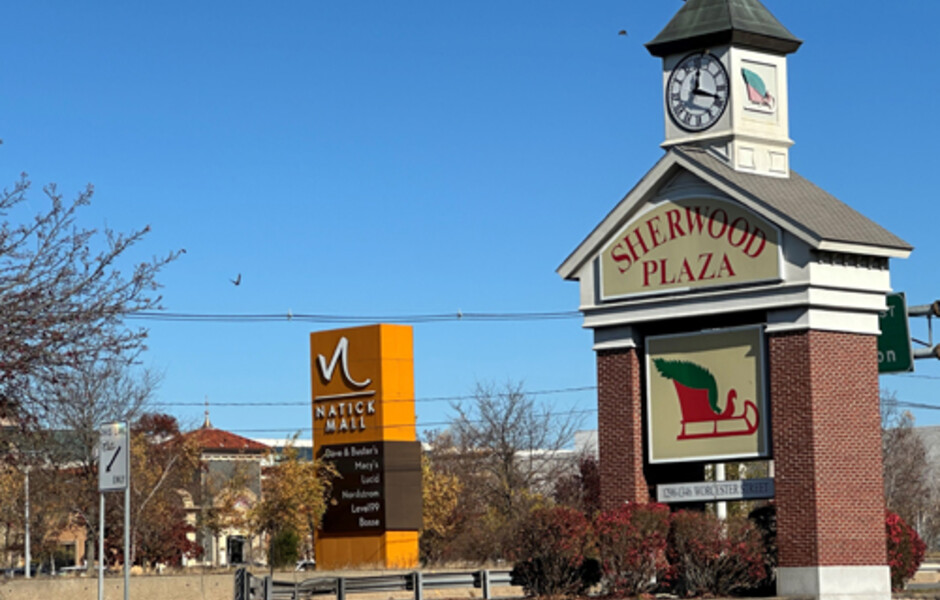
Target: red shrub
{"points": [[708, 556], [631, 542], [550, 552], [905, 550]]}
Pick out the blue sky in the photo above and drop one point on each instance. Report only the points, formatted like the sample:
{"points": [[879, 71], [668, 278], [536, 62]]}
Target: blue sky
{"points": [[377, 158]]}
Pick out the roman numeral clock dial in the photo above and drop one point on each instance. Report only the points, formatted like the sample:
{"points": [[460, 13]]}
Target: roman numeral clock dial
{"points": [[697, 91]]}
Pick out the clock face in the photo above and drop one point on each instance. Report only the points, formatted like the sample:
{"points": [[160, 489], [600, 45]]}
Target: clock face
{"points": [[697, 91]]}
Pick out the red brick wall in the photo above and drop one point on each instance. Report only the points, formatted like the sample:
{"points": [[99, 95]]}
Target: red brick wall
{"points": [[827, 448], [620, 428]]}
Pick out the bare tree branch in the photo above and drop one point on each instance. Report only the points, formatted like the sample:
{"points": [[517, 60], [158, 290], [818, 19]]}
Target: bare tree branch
{"points": [[64, 297]]}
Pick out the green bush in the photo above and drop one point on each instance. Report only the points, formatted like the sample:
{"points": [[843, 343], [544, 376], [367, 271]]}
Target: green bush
{"points": [[283, 549], [551, 552], [631, 547]]}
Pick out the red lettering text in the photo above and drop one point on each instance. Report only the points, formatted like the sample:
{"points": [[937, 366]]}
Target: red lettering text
{"points": [[760, 247], [714, 219], [694, 218], [673, 217], [739, 224], [655, 233], [649, 267], [620, 257], [725, 266], [704, 260]]}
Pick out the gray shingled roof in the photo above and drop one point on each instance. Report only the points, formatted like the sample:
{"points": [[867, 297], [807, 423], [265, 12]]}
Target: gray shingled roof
{"points": [[701, 24], [799, 202]]}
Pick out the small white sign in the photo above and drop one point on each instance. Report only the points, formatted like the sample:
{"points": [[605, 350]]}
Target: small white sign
{"points": [[113, 455], [713, 491]]}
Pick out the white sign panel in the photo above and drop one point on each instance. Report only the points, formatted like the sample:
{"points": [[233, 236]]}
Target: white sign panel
{"points": [[714, 491], [113, 458]]}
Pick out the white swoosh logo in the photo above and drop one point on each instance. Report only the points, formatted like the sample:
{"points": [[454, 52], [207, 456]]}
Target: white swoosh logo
{"points": [[339, 356]]}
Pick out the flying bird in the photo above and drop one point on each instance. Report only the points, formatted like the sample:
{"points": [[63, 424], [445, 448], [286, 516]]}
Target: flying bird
{"points": [[622, 32], [237, 280]]}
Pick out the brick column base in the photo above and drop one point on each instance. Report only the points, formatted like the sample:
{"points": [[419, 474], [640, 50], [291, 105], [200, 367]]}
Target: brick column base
{"points": [[827, 452], [620, 428]]}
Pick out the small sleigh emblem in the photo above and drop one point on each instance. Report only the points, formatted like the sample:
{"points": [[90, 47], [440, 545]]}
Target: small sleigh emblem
{"points": [[698, 401]]}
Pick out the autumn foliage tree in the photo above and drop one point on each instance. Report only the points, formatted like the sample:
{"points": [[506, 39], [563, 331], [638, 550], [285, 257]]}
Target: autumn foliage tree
{"points": [[47, 515], [294, 496], [440, 494], [164, 463], [11, 511], [163, 466]]}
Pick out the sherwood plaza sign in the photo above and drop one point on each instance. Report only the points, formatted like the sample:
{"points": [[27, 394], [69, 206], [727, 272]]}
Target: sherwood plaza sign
{"points": [[689, 244]]}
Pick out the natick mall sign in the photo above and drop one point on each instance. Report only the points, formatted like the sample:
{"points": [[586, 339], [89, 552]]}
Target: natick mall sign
{"points": [[364, 424], [363, 384], [689, 243], [706, 396]]}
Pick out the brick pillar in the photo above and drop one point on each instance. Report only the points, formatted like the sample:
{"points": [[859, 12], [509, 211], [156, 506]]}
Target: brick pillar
{"points": [[620, 428], [827, 451]]}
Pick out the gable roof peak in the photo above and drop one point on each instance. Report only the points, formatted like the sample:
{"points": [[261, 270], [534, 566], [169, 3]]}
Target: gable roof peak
{"points": [[702, 24]]}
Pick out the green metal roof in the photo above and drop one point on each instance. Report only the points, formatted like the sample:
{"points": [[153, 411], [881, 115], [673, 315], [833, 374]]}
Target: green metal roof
{"points": [[701, 24]]}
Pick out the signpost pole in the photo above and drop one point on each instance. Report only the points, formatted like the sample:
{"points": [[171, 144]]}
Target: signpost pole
{"points": [[127, 514], [127, 541], [29, 557], [721, 508], [114, 472], [101, 546]]}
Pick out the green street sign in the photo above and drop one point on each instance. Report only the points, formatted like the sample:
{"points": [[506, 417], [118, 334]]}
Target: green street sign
{"points": [[894, 343]]}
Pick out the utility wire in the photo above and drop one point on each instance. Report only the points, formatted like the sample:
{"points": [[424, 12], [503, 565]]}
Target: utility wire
{"points": [[569, 413], [569, 390], [322, 318], [918, 405]]}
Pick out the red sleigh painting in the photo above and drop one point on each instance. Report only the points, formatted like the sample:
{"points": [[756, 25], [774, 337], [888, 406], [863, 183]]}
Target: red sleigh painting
{"points": [[698, 402]]}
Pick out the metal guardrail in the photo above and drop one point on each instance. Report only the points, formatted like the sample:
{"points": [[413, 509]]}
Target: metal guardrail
{"points": [[249, 587]]}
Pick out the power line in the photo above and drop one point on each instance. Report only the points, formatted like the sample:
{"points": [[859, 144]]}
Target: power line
{"points": [[416, 400], [918, 405], [583, 411], [323, 318]]}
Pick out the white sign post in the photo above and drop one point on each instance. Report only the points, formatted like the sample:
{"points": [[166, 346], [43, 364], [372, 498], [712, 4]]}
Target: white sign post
{"points": [[114, 473]]}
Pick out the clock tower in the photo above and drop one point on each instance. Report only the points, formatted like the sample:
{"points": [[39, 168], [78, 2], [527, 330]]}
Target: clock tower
{"points": [[725, 83], [725, 274]]}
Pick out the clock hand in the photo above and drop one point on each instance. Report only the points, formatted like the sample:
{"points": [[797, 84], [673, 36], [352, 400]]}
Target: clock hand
{"points": [[701, 92]]}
